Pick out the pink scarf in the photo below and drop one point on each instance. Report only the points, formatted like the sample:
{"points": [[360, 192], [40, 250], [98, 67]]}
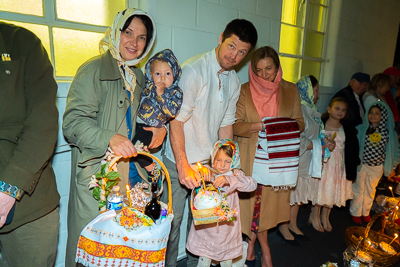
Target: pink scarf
{"points": [[265, 94]]}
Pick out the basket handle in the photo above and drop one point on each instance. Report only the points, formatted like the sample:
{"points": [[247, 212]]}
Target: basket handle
{"points": [[371, 222], [169, 209], [115, 160]]}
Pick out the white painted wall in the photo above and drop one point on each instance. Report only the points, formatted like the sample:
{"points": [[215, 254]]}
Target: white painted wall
{"points": [[62, 169], [361, 37], [191, 27]]}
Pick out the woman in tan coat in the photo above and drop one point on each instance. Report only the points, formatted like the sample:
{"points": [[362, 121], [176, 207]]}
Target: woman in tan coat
{"points": [[266, 95]]}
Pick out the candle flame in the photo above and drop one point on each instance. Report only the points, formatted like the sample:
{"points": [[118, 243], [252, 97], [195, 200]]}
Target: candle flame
{"points": [[199, 165], [390, 187], [397, 207], [369, 242], [396, 235], [127, 187]]}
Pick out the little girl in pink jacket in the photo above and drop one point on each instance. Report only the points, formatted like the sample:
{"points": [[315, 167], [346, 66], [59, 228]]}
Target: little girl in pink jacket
{"points": [[223, 243]]}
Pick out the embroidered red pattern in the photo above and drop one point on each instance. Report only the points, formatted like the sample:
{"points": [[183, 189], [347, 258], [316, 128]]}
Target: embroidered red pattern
{"points": [[120, 252]]}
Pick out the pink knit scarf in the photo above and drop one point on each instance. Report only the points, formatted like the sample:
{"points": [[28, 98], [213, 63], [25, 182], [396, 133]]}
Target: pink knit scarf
{"points": [[265, 94]]}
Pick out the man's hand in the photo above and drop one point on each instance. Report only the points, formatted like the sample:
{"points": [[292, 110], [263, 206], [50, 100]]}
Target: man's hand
{"points": [[207, 175], [158, 136], [6, 203], [122, 146], [188, 177]]}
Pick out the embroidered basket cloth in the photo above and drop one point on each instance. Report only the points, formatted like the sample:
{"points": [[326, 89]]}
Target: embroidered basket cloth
{"points": [[276, 161], [129, 239], [104, 242]]}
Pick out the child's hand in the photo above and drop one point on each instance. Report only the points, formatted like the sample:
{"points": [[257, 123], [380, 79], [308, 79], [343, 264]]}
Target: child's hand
{"points": [[221, 181], [160, 87], [331, 146], [326, 141], [158, 136]]}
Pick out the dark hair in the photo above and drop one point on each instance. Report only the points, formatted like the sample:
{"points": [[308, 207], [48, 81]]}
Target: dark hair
{"points": [[375, 106], [371, 129], [313, 80], [243, 29], [332, 102], [147, 23], [378, 80], [264, 52]]}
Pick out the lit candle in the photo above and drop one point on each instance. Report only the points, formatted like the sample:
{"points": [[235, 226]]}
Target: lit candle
{"points": [[391, 190], [369, 244], [395, 236], [333, 137], [200, 167], [128, 193]]}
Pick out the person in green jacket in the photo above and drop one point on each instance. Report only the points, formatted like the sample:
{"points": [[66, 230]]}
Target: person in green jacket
{"points": [[28, 134], [101, 112]]}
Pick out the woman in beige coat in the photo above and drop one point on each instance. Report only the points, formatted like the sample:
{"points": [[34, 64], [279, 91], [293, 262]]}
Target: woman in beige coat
{"points": [[267, 94]]}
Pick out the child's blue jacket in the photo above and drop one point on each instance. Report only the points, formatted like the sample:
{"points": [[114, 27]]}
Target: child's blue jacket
{"points": [[392, 147]]}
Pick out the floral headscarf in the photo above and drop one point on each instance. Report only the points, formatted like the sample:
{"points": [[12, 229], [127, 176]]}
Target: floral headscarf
{"points": [[307, 97], [111, 42], [235, 164]]}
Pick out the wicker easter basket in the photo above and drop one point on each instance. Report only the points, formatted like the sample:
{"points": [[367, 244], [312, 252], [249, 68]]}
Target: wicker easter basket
{"points": [[205, 216], [393, 228], [126, 238], [114, 162], [380, 257]]}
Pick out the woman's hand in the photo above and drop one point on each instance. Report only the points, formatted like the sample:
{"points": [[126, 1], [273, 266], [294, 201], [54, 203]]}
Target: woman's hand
{"points": [[122, 146], [221, 181], [310, 146], [6, 204], [158, 136], [256, 127]]}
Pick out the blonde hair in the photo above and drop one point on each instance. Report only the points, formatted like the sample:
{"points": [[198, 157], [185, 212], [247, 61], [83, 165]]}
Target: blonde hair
{"points": [[377, 81]]}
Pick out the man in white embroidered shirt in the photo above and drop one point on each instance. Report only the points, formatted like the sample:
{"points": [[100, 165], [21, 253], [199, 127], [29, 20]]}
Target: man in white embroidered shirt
{"points": [[211, 89]]}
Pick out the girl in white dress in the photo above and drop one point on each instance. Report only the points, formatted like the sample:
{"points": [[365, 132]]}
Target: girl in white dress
{"points": [[333, 187]]}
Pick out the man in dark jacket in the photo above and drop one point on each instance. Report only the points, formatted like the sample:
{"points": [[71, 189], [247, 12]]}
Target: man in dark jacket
{"points": [[29, 217], [353, 94]]}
